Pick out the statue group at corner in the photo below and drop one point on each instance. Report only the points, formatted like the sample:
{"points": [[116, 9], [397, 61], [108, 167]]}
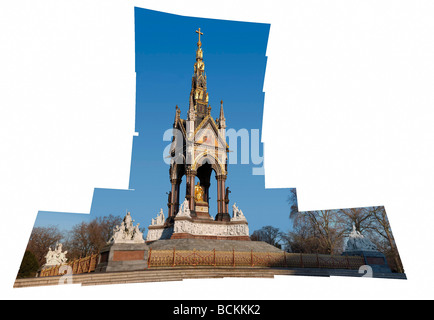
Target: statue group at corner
{"points": [[356, 241], [56, 256], [127, 232]]}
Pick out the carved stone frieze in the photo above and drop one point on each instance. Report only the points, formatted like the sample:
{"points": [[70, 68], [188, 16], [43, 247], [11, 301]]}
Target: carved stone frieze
{"points": [[159, 234], [210, 229]]}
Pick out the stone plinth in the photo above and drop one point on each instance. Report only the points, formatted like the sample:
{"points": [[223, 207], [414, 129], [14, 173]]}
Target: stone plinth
{"points": [[202, 211], [375, 259], [123, 257], [159, 233], [358, 245], [188, 228], [190, 225]]}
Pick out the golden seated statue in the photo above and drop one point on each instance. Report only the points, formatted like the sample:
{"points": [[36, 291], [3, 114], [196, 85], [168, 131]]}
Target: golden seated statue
{"points": [[199, 193]]}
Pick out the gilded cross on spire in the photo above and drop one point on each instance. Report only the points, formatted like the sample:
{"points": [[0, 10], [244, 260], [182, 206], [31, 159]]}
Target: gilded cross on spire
{"points": [[199, 33]]}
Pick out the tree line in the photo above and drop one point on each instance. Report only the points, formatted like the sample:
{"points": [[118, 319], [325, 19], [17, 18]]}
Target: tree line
{"points": [[326, 231]]}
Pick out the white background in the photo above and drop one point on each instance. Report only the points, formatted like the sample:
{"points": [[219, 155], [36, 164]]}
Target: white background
{"points": [[348, 122]]}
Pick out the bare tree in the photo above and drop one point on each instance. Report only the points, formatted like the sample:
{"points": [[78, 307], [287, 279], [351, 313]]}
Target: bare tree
{"points": [[78, 242], [267, 234], [41, 239], [362, 218], [301, 239], [322, 230], [107, 224], [383, 229], [87, 238]]}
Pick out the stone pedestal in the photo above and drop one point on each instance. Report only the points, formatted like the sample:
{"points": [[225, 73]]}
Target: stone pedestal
{"points": [[159, 233], [189, 225], [202, 211], [123, 257], [188, 228], [375, 259]]}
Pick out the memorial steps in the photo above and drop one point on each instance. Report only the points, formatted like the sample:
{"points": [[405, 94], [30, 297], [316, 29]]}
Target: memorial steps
{"points": [[157, 275], [179, 274]]}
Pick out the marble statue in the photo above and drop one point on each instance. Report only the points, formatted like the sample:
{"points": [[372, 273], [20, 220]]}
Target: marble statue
{"points": [[357, 242], [55, 257], [159, 220], [184, 211], [127, 232], [198, 193], [358, 245], [237, 215]]}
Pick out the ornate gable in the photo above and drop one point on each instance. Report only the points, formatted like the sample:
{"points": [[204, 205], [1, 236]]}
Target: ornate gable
{"points": [[209, 129]]}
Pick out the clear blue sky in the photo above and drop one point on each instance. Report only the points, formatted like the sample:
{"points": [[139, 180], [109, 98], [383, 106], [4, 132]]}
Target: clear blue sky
{"points": [[235, 62]]}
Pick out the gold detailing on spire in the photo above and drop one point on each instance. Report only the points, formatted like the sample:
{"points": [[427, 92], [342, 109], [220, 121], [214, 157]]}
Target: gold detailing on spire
{"points": [[199, 33], [222, 120], [177, 115], [199, 66], [199, 97]]}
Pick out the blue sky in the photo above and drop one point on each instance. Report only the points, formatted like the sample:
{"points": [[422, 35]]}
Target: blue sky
{"points": [[235, 63]]}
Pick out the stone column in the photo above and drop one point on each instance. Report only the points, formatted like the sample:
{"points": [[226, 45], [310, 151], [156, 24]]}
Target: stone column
{"points": [[190, 179], [174, 198], [222, 212], [218, 195], [171, 199]]}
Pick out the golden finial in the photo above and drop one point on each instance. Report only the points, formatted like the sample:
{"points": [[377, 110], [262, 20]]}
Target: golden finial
{"points": [[199, 33]]}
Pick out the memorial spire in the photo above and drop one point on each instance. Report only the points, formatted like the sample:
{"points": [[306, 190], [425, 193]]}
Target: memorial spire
{"points": [[222, 120], [199, 94]]}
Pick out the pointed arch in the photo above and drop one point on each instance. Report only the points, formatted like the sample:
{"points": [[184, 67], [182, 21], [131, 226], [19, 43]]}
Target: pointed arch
{"points": [[209, 158]]}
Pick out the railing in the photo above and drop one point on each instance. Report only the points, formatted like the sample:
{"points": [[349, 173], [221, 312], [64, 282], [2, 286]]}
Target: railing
{"points": [[78, 266], [213, 258], [180, 258]]}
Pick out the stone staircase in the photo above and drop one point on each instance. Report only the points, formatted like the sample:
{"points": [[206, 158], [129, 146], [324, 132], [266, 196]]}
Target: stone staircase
{"points": [[153, 275], [179, 274]]}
